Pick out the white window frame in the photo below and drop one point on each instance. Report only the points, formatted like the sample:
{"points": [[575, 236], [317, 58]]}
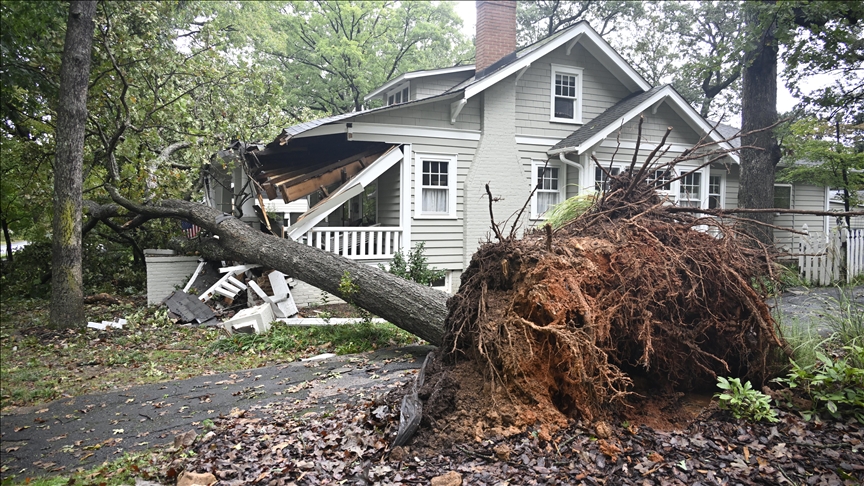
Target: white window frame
{"points": [[597, 185], [722, 194], [577, 108], [791, 195], [691, 198], [672, 192], [562, 184], [452, 173], [394, 91]]}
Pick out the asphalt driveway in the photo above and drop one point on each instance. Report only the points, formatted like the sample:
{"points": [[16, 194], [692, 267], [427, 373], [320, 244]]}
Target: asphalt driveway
{"points": [[84, 431]]}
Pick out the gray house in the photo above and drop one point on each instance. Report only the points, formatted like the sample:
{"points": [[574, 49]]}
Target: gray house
{"points": [[368, 183]]}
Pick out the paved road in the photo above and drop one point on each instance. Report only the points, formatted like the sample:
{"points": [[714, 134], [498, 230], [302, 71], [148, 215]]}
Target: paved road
{"points": [[84, 431], [818, 307]]}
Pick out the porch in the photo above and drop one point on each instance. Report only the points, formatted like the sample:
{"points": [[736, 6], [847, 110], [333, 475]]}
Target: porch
{"points": [[356, 242], [355, 195]]}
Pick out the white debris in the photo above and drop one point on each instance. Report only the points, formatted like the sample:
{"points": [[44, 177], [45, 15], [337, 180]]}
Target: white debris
{"points": [[319, 357], [106, 324]]}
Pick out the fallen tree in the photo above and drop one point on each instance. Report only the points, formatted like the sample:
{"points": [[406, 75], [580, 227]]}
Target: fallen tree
{"points": [[415, 308]]}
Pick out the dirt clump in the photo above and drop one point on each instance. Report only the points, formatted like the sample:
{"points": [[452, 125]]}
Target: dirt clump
{"points": [[556, 326]]}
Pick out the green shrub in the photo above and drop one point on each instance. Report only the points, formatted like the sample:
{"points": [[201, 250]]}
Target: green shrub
{"points": [[416, 268], [568, 210], [743, 401], [833, 385]]}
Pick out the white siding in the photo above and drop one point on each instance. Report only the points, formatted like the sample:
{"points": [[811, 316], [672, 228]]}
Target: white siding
{"points": [[435, 85], [804, 197], [388, 196], [435, 115], [165, 272]]}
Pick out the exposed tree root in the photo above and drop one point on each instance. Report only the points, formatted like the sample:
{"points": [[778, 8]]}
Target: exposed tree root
{"points": [[628, 288]]}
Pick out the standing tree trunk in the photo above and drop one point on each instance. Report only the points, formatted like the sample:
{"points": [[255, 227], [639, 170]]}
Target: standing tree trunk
{"points": [[759, 110], [8, 239], [67, 294]]}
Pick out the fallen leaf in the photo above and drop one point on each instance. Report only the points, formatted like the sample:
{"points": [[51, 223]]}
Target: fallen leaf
{"points": [[118, 431]]}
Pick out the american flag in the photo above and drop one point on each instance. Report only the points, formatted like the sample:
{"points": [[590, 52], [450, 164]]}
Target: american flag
{"points": [[189, 229]]}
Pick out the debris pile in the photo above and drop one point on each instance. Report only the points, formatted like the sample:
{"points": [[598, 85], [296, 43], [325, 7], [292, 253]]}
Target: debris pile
{"points": [[560, 324], [238, 292]]}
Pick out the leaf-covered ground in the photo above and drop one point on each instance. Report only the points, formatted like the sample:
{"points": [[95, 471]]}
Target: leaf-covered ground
{"points": [[279, 445], [39, 364]]}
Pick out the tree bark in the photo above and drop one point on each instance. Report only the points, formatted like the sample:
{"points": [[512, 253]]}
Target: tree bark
{"points": [[415, 308], [759, 110], [67, 293], [8, 240]]}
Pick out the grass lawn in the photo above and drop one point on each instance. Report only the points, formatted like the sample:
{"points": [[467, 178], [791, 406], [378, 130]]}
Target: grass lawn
{"points": [[39, 365]]}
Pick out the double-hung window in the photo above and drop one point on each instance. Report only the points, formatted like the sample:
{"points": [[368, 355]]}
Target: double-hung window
{"points": [[715, 192], [436, 186], [549, 182], [601, 182], [398, 94], [689, 190], [661, 181], [566, 90]]}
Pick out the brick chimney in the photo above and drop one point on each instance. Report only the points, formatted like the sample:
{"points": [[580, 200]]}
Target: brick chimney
{"points": [[496, 31]]}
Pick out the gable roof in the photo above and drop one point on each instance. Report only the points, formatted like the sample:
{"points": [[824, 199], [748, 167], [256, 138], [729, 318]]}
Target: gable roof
{"points": [[417, 74], [578, 33], [611, 118], [629, 108], [522, 58], [299, 129], [508, 65]]}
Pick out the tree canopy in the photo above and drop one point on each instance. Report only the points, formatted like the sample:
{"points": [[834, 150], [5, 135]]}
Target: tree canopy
{"points": [[333, 53]]}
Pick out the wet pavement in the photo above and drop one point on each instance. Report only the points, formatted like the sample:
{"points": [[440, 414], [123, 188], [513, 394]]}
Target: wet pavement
{"points": [[817, 307], [84, 431]]}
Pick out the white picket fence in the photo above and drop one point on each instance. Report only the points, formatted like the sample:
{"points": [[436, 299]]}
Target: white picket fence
{"points": [[824, 260]]}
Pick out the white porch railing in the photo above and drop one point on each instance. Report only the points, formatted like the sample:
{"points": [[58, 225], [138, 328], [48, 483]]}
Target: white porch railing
{"points": [[356, 242], [821, 259]]}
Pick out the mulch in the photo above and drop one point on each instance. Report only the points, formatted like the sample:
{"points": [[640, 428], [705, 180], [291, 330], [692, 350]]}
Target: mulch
{"points": [[280, 445]]}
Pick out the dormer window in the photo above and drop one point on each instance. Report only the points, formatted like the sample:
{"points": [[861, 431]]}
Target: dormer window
{"points": [[566, 94], [398, 94]]}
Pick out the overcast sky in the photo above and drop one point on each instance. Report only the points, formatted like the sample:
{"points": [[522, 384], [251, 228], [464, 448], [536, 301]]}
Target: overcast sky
{"points": [[468, 11]]}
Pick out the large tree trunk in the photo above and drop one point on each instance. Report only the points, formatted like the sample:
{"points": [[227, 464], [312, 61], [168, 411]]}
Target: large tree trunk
{"points": [[415, 308], [758, 111], [67, 294]]}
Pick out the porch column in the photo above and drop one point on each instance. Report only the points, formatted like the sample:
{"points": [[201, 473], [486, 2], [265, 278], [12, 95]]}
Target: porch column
{"points": [[405, 186]]}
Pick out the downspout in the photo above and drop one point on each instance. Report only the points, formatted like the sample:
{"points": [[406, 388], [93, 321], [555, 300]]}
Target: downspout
{"points": [[572, 163]]}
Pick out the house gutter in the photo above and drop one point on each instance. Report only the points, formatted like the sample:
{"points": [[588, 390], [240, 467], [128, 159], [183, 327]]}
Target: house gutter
{"points": [[563, 158]]}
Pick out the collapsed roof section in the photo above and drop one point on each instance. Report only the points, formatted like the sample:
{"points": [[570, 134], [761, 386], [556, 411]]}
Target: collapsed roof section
{"points": [[336, 167]]}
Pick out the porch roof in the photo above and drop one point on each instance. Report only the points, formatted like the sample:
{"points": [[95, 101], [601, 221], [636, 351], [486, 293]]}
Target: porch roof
{"points": [[345, 192], [629, 108]]}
